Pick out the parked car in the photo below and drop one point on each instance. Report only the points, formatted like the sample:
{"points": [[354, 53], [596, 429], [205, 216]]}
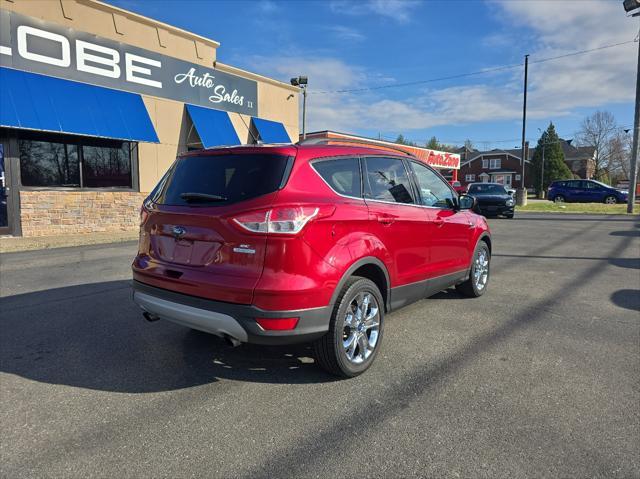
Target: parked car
{"points": [[585, 191], [457, 186], [308, 243], [493, 199]]}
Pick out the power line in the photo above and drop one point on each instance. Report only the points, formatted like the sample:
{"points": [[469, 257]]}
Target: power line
{"points": [[391, 137], [468, 74]]}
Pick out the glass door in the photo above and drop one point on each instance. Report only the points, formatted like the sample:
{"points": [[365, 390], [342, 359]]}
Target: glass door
{"points": [[4, 205], [4, 193]]}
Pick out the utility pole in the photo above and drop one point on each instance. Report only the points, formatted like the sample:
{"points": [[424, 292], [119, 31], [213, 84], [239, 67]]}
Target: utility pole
{"points": [[304, 113], [521, 197], [542, 175], [635, 153]]}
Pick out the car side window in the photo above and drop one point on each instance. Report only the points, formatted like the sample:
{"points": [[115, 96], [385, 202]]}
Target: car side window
{"points": [[573, 184], [343, 175], [434, 191], [386, 179]]}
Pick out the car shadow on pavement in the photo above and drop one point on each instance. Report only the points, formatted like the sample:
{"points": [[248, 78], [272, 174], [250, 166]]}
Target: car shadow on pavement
{"points": [[627, 298], [93, 336], [631, 233]]}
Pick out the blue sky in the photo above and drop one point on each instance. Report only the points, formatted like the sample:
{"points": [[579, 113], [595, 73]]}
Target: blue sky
{"points": [[355, 44]]}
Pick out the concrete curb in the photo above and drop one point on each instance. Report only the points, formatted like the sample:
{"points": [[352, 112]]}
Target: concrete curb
{"points": [[14, 244]]}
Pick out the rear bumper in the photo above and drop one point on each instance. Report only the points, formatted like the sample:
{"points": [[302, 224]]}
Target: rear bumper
{"points": [[235, 320]]}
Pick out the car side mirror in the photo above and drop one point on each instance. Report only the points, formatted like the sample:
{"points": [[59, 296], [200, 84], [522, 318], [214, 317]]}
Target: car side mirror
{"points": [[466, 202]]}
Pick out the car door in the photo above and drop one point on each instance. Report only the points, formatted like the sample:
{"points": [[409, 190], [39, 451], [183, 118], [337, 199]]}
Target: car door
{"points": [[450, 230], [574, 191], [593, 192], [396, 220]]}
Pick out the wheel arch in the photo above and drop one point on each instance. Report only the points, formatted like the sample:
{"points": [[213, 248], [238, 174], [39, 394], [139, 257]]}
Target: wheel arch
{"points": [[371, 268]]}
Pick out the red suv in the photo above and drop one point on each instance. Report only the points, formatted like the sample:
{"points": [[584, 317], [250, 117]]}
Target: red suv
{"points": [[297, 243]]}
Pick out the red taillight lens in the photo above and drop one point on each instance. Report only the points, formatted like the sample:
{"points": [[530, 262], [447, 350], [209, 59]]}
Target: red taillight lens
{"points": [[277, 324], [144, 214], [282, 220]]}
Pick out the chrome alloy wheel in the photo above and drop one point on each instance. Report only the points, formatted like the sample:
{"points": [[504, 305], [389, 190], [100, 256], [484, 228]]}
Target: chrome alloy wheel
{"points": [[361, 327], [481, 269], [610, 200]]}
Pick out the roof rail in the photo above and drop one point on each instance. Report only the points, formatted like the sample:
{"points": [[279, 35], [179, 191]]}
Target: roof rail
{"points": [[364, 143]]}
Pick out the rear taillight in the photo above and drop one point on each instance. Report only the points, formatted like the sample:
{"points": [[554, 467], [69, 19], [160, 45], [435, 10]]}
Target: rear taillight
{"points": [[282, 220], [144, 214], [277, 324]]}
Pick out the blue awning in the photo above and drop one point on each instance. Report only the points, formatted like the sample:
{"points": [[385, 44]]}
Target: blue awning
{"points": [[213, 126], [271, 131], [39, 102]]}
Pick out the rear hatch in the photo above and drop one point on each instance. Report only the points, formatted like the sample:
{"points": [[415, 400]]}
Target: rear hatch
{"points": [[189, 242]]}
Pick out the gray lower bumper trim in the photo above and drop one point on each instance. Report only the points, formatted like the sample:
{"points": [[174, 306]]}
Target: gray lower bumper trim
{"points": [[196, 318]]}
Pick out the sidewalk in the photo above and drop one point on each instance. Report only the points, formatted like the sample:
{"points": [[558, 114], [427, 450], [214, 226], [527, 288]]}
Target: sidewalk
{"points": [[9, 244]]}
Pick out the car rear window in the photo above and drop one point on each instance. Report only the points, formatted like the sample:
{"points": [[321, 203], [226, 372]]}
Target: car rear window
{"points": [[220, 179], [342, 175]]}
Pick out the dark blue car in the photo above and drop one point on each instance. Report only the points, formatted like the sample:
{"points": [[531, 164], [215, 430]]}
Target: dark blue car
{"points": [[585, 191]]}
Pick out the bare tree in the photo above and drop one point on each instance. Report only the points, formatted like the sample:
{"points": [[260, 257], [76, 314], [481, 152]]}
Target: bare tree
{"points": [[598, 130], [621, 146]]}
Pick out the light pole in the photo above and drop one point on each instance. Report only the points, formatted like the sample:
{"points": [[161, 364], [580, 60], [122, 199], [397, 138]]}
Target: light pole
{"points": [[634, 6], [302, 82]]}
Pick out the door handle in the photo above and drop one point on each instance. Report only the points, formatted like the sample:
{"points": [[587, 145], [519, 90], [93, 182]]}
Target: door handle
{"points": [[385, 219], [438, 221]]}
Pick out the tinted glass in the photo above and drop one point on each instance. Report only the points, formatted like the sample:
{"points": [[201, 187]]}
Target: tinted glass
{"points": [[105, 167], [229, 178], [48, 164], [387, 180], [573, 184], [487, 189], [342, 175], [433, 190]]}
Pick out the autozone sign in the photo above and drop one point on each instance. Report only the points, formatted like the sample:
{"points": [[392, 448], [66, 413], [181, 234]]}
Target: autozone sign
{"points": [[36, 46], [435, 158]]}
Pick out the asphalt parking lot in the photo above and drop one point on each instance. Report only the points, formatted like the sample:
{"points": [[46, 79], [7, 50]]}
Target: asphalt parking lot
{"points": [[539, 377]]}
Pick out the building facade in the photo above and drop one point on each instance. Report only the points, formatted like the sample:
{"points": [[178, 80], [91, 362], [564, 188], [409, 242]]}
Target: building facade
{"points": [[494, 166], [96, 102]]}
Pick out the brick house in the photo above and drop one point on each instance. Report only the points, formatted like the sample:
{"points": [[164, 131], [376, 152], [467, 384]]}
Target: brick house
{"points": [[579, 159], [496, 166]]}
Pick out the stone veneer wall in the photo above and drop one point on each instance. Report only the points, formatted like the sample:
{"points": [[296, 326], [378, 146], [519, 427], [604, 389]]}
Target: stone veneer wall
{"points": [[47, 212]]}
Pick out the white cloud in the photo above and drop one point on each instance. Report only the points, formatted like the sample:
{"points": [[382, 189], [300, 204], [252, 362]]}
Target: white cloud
{"points": [[398, 10], [556, 88], [346, 34]]}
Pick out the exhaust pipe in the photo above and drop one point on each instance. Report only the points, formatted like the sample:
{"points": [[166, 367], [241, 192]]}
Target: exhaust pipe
{"points": [[150, 317], [231, 341]]}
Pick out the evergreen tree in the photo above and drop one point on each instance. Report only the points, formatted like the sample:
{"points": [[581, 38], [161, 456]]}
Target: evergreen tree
{"points": [[434, 144], [401, 140], [554, 166]]}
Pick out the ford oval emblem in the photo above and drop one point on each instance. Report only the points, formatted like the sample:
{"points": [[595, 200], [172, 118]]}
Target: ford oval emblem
{"points": [[178, 231]]}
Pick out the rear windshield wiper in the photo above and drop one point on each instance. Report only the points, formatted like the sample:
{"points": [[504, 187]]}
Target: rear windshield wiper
{"points": [[202, 197]]}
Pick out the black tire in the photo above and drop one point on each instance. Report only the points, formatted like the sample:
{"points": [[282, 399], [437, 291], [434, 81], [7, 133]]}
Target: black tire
{"points": [[559, 199], [470, 287], [610, 197], [509, 216], [329, 350]]}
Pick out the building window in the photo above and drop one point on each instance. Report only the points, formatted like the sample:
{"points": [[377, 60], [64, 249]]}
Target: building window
{"points": [[517, 177], [469, 178], [49, 164], [495, 163], [82, 164], [485, 164], [106, 167]]}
